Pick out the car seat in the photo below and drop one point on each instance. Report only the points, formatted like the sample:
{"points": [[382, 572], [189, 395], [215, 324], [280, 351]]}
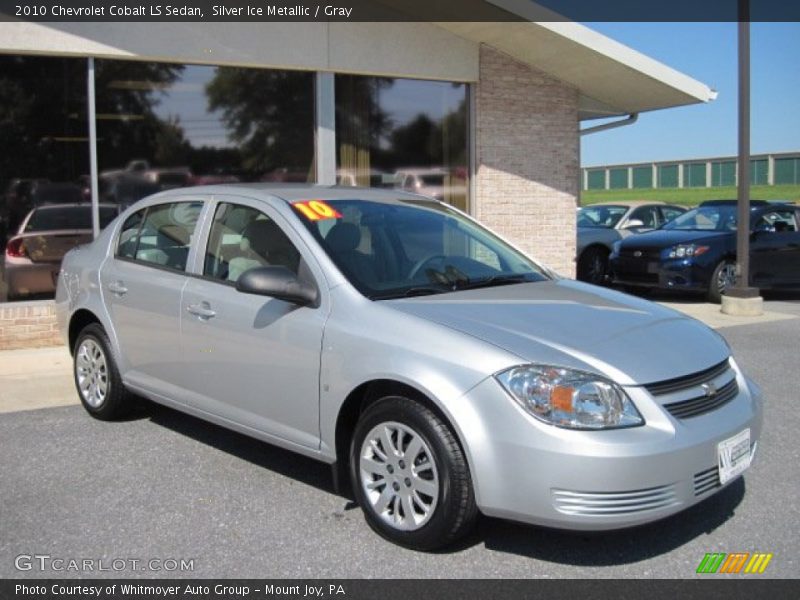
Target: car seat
{"points": [[343, 239]]}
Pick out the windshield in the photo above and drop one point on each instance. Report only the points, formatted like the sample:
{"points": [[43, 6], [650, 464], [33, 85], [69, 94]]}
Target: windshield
{"points": [[67, 217], [706, 218], [604, 217], [412, 247]]}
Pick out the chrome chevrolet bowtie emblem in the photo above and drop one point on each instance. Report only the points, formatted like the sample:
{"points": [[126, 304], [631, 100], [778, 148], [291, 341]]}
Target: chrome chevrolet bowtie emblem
{"points": [[709, 389], [638, 253]]}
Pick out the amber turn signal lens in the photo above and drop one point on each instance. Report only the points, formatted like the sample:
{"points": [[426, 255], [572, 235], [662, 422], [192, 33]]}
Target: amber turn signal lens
{"points": [[561, 398]]}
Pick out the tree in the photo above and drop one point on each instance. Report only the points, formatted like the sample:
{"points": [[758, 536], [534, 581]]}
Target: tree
{"points": [[270, 116]]}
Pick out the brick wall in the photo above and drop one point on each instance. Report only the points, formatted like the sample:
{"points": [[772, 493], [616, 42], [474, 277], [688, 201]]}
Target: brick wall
{"points": [[28, 325], [527, 179]]}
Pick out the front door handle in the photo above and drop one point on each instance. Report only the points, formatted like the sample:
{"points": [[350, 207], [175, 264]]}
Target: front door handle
{"points": [[202, 311], [117, 288]]}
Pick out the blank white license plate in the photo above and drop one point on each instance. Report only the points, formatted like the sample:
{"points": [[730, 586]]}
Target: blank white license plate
{"points": [[733, 456]]}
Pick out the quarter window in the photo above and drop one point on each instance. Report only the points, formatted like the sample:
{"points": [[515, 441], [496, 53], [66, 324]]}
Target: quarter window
{"points": [[129, 235], [160, 235], [243, 238]]}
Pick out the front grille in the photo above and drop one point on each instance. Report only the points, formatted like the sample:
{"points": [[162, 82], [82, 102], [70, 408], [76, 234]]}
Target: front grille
{"points": [[705, 403], [643, 253], [697, 394], [597, 504], [705, 481], [629, 277], [683, 383]]}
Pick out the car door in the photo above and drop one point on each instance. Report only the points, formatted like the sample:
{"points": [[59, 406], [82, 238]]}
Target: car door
{"points": [[775, 248], [253, 360], [142, 284]]}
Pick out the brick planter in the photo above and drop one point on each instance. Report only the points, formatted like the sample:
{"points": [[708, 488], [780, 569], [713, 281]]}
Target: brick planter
{"points": [[28, 325]]}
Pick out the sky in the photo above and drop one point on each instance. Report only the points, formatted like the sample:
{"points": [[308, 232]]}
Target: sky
{"points": [[708, 52]]}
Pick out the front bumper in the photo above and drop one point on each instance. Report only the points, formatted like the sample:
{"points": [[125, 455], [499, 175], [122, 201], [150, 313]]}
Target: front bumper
{"points": [[685, 274], [528, 471]]}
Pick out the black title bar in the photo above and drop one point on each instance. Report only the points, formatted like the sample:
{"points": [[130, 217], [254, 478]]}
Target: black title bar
{"points": [[394, 10], [709, 588]]}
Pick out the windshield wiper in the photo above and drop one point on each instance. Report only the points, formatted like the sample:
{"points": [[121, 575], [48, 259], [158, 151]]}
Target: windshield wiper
{"points": [[411, 292], [495, 280]]}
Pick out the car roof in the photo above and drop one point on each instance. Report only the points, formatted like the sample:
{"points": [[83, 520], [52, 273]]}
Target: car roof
{"points": [[74, 205], [732, 202], [626, 203], [291, 192]]}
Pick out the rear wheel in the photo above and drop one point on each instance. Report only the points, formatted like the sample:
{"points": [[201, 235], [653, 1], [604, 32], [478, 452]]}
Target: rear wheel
{"points": [[96, 376], [410, 475], [593, 265], [723, 278]]}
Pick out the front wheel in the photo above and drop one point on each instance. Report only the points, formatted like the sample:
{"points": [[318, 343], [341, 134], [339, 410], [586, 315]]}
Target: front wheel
{"points": [[593, 266], [96, 376], [723, 278], [410, 475]]}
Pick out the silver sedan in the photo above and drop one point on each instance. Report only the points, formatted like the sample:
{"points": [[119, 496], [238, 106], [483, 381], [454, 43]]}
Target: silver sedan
{"points": [[439, 370]]}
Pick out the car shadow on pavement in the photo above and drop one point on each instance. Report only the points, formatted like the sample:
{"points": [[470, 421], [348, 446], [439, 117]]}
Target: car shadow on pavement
{"points": [[565, 547], [261, 454], [610, 547]]}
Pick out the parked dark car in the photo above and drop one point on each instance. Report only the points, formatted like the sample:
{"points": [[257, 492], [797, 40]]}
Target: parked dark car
{"points": [[600, 225], [697, 251]]}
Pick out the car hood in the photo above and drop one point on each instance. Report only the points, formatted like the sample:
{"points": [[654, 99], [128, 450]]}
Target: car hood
{"points": [[664, 238], [576, 325]]}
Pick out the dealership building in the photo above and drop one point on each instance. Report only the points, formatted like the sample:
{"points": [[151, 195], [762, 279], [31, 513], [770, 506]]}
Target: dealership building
{"points": [[485, 116]]}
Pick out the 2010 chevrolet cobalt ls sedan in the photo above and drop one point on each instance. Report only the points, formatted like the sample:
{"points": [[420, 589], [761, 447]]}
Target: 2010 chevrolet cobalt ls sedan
{"points": [[435, 366]]}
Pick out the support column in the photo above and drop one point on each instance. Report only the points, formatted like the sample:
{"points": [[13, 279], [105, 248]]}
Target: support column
{"points": [[325, 135]]}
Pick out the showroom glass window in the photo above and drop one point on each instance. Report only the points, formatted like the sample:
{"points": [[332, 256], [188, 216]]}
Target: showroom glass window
{"points": [[43, 129], [162, 125], [403, 133]]}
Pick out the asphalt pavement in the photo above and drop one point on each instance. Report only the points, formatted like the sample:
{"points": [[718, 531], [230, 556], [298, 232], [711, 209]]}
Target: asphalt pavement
{"points": [[164, 486]]}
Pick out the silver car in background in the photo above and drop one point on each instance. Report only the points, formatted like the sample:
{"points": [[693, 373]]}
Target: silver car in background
{"points": [[437, 368], [600, 225], [33, 255]]}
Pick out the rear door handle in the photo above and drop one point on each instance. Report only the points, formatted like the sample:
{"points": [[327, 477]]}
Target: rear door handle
{"points": [[202, 310], [117, 288]]}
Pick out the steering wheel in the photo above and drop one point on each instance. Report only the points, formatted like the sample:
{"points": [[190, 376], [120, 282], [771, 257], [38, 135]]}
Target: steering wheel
{"points": [[422, 262]]}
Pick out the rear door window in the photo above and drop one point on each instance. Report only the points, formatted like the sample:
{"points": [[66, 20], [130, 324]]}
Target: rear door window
{"points": [[160, 235]]}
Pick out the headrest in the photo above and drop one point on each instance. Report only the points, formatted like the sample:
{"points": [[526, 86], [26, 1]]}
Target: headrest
{"points": [[344, 237], [258, 235]]}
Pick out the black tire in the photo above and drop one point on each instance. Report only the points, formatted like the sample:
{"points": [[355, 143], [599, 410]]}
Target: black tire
{"points": [[593, 265], [451, 513], [723, 276], [116, 402]]}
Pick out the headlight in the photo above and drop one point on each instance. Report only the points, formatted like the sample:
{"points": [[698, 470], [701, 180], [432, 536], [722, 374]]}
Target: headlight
{"points": [[568, 398], [687, 250]]}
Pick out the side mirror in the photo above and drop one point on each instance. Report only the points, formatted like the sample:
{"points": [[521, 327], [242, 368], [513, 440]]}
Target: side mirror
{"points": [[634, 224], [277, 282]]}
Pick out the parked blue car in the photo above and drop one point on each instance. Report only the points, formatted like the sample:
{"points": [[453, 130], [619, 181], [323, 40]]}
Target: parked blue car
{"points": [[697, 251]]}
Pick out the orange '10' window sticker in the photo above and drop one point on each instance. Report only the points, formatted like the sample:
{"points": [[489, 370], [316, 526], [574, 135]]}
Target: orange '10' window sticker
{"points": [[317, 210]]}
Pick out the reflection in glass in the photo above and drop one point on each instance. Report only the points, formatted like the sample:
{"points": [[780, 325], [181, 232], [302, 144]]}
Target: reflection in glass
{"points": [[45, 155], [163, 126], [403, 133]]}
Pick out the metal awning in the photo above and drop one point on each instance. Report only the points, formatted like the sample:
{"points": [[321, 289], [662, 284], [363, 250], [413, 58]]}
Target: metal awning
{"points": [[612, 78]]}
